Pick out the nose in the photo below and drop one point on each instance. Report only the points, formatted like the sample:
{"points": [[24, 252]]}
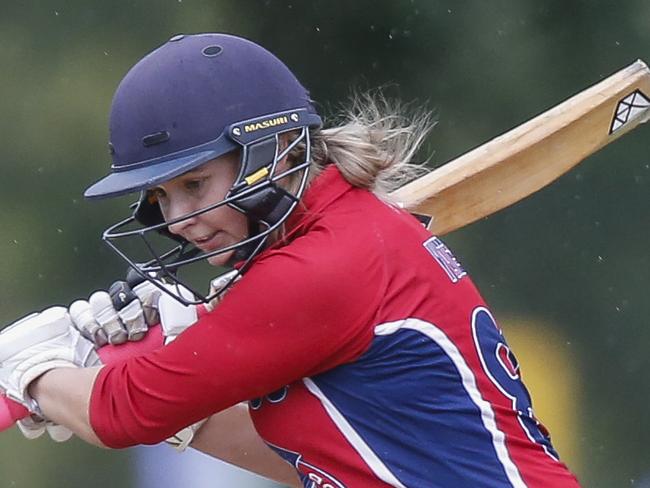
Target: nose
{"points": [[176, 210]]}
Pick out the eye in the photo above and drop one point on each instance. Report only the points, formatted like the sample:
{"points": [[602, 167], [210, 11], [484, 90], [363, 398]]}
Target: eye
{"points": [[194, 184], [155, 195]]}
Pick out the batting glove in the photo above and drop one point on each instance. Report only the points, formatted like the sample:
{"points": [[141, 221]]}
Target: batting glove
{"points": [[123, 313], [220, 285], [29, 348]]}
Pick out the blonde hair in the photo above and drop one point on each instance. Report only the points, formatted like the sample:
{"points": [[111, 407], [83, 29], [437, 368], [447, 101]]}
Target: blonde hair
{"points": [[373, 142]]}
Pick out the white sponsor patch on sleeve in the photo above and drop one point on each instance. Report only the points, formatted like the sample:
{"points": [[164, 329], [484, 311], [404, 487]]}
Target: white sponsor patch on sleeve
{"points": [[445, 258]]}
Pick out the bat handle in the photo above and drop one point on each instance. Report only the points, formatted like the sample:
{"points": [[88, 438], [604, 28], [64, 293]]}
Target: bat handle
{"points": [[11, 411]]}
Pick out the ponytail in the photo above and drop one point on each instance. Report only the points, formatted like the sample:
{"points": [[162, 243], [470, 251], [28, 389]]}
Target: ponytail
{"points": [[373, 144]]}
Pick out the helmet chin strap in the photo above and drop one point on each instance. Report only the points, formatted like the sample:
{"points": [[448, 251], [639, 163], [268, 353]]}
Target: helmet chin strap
{"points": [[268, 206], [242, 253]]}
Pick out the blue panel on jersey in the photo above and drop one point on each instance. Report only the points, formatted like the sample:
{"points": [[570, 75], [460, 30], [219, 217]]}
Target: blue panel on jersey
{"points": [[405, 398]]}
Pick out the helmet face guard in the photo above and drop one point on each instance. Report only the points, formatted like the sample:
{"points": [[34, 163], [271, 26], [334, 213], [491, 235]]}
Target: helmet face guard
{"points": [[258, 192], [192, 100]]}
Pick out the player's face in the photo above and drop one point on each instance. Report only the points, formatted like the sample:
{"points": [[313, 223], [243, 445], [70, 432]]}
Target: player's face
{"points": [[198, 189]]}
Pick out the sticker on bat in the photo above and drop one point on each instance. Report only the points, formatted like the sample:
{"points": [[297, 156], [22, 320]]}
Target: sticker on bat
{"points": [[633, 106], [425, 220]]}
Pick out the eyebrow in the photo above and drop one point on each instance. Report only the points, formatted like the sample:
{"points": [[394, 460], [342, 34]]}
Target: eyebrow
{"points": [[191, 172]]}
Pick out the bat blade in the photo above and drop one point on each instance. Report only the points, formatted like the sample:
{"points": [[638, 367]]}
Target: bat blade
{"points": [[529, 157]]}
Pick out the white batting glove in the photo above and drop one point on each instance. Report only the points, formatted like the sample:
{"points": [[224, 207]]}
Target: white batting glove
{"points": [[124, 314], [174, 316], [219, 286], [32, 346], [183, 438], [33, 426], [119, 315]]}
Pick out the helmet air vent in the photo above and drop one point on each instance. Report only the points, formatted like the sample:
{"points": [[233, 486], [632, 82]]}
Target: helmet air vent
{"points": [[212, 51], [155, 138]]}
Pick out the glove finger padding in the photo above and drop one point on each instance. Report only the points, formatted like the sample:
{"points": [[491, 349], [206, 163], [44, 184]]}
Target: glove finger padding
{"points": [[219, 287], [129, 310], [106, 315], [31, 426], [149, 294], [183, 438], [58, 433], [122, 314], [174, 316], [83, 319]]}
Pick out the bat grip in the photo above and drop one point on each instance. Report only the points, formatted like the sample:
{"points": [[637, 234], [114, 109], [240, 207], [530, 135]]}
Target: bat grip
{"points": [[11, 411]]}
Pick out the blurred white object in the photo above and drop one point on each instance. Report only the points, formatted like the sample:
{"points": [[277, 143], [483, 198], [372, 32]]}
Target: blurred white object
{"points": [[162, 467]]}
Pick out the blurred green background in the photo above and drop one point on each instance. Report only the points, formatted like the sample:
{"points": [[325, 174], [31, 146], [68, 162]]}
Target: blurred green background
{"points": [[567, 270]]}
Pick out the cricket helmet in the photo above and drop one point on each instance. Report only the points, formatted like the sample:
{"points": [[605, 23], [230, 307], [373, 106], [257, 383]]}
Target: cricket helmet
{"points": [[193, 99]]}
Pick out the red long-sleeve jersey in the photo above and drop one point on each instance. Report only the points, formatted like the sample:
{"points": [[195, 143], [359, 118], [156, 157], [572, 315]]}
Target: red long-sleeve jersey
{"points": [[367, 355]]}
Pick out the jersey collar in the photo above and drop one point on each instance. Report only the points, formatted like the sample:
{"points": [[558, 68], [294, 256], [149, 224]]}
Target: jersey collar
{"points": [[326, 188]]}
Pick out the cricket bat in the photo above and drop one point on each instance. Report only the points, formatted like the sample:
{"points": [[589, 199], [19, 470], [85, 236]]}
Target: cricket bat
{"points": [[493, 176], [520, 162]]}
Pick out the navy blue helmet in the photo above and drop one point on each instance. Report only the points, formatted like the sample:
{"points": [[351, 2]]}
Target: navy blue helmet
{"points": [[193, 99]]}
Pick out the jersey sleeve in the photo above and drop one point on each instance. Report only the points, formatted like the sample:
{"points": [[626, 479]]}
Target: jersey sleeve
{"points": [[291, 316]]}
